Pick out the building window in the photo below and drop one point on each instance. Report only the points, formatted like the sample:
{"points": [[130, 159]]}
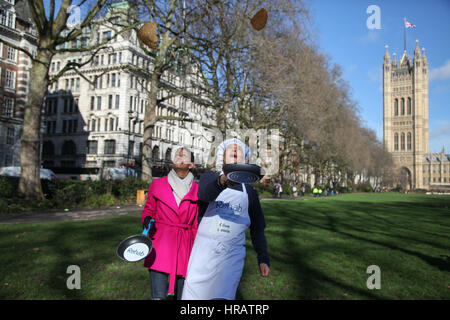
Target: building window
{"points": [[396, 142], [409, 141], [110, 146], [8, 107], [48, 149], [117, 101], [10, 135], [109, 164], [91, 147], [396, 107], [402, 141], [402, 107], [409, 106], [131, 148], [110, 101], [107, 35], [99, 103], [10, 81], [69, 148], [111, 125], [93, 125], [11, 54]]}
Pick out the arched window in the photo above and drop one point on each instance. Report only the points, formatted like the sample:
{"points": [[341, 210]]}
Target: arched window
{"points": [[396, 107], [408, 141], [48, 149], [402, 141], [69, 148], [168, 156], [396, 142], [409, 106], [155, 153], [402, 107]]}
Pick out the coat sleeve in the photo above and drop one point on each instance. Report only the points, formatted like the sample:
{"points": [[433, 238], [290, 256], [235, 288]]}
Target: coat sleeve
{"points": [[208, 186], [150, 204], [257, 227]]}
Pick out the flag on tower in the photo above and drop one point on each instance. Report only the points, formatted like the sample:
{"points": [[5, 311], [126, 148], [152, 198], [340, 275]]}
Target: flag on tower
{"points": [[409, 25]]}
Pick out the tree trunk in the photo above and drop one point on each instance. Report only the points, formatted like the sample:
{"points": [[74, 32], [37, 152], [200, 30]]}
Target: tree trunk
{"points": [[30, 182], [149, 122]]}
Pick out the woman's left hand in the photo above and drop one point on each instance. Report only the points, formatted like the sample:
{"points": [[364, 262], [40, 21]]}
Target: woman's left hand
{"points": [[264, 268]]}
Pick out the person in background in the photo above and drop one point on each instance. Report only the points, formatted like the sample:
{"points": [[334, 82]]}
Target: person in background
{"points": [[315, 191], [217, 259], [172, 202], [294, 191]]}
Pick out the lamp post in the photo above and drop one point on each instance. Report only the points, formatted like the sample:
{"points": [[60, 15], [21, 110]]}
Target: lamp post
{"points": [[130, 116]]}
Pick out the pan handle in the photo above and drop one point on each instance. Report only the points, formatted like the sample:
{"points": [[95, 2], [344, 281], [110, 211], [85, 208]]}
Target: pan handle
{"points": [[145, 232]]}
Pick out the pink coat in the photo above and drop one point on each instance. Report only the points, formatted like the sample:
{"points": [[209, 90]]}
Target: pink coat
{"points": [[174, 229]]}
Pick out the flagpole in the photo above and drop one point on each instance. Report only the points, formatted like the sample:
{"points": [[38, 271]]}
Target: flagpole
{"points": [[404, 34]]}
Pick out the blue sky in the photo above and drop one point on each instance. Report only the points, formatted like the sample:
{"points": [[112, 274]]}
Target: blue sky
{"points": [[340, 30]]}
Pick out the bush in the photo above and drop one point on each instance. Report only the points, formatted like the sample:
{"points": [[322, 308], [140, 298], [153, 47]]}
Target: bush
{"points": [[341, 189], [126, 189], [71, 192], [423, 191], [263, 189], [7, 190], [287, 189], [104, 200]]}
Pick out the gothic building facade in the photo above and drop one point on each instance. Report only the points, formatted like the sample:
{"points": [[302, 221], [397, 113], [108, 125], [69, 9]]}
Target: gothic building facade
{"points": [[405, 122]]}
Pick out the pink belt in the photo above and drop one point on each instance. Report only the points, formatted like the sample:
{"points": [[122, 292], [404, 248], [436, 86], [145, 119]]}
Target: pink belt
{"points": [[177, 225]]}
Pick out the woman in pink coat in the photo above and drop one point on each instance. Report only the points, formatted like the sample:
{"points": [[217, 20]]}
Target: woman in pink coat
{"points": [[173, 203]]}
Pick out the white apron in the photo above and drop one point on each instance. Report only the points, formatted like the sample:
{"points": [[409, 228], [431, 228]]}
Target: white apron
{"points": [[217, 258]]}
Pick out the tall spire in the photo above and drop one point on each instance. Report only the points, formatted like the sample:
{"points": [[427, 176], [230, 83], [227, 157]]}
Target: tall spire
{"points": [[417, 50], [387, 58], [394, 60]]}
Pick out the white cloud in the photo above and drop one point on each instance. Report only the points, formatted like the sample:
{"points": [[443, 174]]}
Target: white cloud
{"points": [[441, 73]]}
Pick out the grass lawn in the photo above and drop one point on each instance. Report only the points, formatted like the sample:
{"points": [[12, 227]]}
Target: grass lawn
{"points": [[320, 248]]}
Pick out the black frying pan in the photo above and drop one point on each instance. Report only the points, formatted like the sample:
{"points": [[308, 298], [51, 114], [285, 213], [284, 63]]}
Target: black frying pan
{"points": [[243, 172], [137, 247]]}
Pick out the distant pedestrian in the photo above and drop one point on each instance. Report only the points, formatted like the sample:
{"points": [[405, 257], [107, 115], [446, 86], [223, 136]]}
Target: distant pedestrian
{"points": [[280, 190], [302, 190], [294, 191]]}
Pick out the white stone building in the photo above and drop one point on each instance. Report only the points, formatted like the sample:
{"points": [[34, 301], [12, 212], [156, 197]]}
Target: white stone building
{"points": [[102, 125]]}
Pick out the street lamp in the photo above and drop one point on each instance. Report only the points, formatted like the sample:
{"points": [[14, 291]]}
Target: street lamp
{"points": [[130, 116]]}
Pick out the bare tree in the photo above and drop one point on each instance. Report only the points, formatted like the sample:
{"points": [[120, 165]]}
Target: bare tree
{"points": [[49, 29]]}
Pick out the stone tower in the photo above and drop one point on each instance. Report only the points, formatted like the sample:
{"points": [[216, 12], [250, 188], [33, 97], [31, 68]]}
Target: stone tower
{"points": [[405, 113]]}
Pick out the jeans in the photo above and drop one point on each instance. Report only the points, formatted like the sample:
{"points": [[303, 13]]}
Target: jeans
{"points": [[159, 285]]}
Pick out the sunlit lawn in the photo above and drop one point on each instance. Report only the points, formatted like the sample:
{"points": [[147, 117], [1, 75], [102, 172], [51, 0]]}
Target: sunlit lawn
{"points": [[320, 248]]}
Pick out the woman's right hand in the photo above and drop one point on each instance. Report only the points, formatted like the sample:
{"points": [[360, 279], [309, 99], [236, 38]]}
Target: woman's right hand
{"points": [[223, 180], [146, 222]]}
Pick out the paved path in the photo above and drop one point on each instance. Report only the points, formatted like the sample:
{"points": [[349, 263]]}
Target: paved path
{"points": [[77, 214], [72, 215]]}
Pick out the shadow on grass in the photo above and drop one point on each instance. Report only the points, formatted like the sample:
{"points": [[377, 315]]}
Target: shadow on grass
{"points": [[363, 222], [91, 247]]}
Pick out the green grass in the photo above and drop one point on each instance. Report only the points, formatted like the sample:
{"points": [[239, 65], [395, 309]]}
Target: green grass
{"points": [[320, 248]]}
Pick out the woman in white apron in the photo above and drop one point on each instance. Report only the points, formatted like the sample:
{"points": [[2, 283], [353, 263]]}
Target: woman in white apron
{"points": [[217, 258]]}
